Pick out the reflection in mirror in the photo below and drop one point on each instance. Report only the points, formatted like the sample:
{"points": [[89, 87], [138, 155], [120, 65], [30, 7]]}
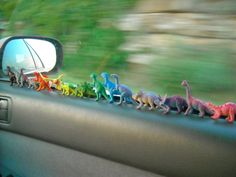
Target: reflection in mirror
{"points": [[30, 54]]}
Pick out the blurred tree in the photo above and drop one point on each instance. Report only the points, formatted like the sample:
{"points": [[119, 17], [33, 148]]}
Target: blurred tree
{"points": [[6, 8], [88, 25]]}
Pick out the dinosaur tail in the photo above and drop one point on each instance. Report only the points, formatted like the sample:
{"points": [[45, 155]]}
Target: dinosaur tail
{"points": [[209, 110], [60, 76]]}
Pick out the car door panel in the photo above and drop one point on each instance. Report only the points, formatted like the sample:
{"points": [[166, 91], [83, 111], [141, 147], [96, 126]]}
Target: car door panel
{"points": [[167, 145], [36, 158]]}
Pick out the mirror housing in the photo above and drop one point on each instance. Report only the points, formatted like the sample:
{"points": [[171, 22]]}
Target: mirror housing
{"points": [[33, 53]]}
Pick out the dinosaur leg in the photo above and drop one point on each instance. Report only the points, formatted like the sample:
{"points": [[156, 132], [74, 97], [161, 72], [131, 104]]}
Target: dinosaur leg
{"points": [[151, 103], [189, 109], [201, 111], [28, 83], [97, 96], [17, 80], [105, 95], [140, 104], [111, 96], [21, 82], [165, 108], [230, 118], [67, 92], [216, 115], [48, 86], [40, 87], [178, 106], [121, 98], [79, 93]]}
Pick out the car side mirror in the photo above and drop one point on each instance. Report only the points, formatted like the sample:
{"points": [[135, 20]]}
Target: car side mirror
{"points": [[34, 54]]}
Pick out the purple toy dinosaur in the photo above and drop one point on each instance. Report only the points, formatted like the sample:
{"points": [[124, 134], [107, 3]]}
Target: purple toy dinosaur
{"points": [[194, 103], [174, 102]]}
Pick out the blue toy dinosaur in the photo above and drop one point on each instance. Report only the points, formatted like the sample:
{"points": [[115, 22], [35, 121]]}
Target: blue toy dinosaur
{"points": [[125, 91], [110, 86]]}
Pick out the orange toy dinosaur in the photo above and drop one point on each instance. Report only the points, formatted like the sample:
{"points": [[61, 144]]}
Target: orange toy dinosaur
{"points": [[42, 83], [228, 109], [53, 82]]}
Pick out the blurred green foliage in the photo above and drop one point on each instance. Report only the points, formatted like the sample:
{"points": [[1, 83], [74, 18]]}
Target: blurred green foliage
{"points": [[86, 29], [6, 8], [209, 69], [91, 41]]}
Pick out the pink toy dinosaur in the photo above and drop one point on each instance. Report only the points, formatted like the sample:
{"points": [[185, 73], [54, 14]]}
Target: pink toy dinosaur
{"points": [[228, 109], [194, 103]]}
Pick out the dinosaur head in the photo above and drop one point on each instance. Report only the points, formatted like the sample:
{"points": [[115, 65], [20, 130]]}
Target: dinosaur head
{"points": [[8, 69], [22, 70], [114, 76], [138, 95], [93, 76], [184, 83], [210, 105], [36, 74], [105, 75]]}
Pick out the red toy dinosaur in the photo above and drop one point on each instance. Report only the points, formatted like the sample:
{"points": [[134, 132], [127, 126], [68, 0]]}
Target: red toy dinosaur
{"points": [[228, 109], [42, 83], [194, 103]]}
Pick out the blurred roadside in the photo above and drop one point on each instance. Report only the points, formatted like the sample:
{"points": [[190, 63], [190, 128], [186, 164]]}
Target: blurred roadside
{"points": [[152, 44]]}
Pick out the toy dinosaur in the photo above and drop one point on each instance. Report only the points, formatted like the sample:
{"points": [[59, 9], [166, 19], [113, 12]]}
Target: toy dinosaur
{"points": [[69, 88], [41, 82], [174, 102], [149, 99], [194, 103], [125, 91], [85, 89], [98, 87], [17, 75], [24, 79], [228, 109], [53, 82], [12, 76], [110, 86]]}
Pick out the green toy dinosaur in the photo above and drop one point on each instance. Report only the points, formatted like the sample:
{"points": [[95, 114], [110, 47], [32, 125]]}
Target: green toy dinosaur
{"points": [[98, 87], [85, 89]]}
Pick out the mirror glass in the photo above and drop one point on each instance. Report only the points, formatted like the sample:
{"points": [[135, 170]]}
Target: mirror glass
{"points": [[30, 54]]}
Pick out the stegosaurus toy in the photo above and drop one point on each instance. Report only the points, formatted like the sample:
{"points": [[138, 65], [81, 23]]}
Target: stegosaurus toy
{"points": [[85, 89], [228, 109]]}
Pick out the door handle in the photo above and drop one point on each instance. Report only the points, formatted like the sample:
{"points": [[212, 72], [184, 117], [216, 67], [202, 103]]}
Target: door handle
{"points": [[4, 109], [3, 104]]}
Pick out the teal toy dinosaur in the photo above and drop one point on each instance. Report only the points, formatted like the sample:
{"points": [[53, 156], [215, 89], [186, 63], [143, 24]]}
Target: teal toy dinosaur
{"points": [[98, 87]]}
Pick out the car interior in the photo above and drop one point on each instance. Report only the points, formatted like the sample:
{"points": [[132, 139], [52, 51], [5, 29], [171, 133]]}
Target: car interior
{"points": [[47, 133]]}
